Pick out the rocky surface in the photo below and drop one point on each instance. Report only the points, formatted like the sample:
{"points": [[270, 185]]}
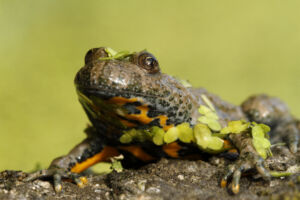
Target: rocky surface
{"points": [[166, 179]]}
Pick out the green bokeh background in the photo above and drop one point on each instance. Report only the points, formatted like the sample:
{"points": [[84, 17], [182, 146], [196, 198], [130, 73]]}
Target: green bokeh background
{"points": [[233, 48]]}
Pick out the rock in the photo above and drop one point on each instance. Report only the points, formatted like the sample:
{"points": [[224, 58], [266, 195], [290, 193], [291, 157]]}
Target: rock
{"points": [[166, 179]]}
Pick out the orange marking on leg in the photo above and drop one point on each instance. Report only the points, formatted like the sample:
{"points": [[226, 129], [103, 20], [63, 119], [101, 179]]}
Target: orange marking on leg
{"points": [[137, 152], [223, 183], [104, 155], [233, 151], [172, 149], [227, 145], [235, 188]]}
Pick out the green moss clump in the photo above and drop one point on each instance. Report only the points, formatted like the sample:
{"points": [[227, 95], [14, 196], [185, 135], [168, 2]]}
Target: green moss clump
{"points": [[260, 139], [115, 55]]}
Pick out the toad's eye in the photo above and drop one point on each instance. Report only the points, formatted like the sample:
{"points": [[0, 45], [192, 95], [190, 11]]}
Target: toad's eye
{"points": [[148, 62], [151, 62]]}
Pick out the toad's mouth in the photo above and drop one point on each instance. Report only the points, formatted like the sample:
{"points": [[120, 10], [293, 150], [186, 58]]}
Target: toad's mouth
{"points": [[107, 93]]}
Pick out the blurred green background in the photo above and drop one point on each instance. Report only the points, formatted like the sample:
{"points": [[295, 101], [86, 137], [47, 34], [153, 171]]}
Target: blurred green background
{"points": [[233, 48]]}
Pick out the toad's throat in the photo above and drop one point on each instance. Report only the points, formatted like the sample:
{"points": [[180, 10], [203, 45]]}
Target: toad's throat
{"points": [[129, 112]]}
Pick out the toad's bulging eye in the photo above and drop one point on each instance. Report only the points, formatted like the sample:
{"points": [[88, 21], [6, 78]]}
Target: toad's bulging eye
{"points": [[148, 62]]}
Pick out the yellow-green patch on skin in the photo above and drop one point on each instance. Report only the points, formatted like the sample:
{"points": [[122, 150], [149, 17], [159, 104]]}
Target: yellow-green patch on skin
{"points": [[185, 83], [260, 146], [265, 128], [208, 102], [205, 140], [260, 142], [125, 138], [141, 136], [158, 135], [185, 133], [214, 125], [280, 174], [211, 122], [235, 127], [116, 164], [215, 144], [112, 54], [202, 134], [135, 135], [209, 115], [212, 115], [171, 135], [204, 110], [258, 131], [207, 134], [128, 136]]}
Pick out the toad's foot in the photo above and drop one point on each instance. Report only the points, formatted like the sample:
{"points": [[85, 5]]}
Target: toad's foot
{"points": [[245, 163], [248, 159], [57, 174]]}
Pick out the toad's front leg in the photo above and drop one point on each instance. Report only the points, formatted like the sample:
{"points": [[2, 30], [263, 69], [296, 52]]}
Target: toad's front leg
{"points": [[89, 152], [248, 159]]}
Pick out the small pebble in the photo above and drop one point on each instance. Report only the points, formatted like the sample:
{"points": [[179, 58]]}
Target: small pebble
{"points": [[44, 184], [107, 194], [122, 197], [153, 190], [98, 191], [180, 177], [142, 185]]}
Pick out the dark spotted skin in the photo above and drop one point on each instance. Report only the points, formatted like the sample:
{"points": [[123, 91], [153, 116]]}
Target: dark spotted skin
{"points": [[118, 95]]}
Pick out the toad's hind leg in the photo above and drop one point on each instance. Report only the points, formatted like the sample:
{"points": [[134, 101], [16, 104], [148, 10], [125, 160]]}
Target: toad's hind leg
{"points": [[89, 152], [275, 113]]}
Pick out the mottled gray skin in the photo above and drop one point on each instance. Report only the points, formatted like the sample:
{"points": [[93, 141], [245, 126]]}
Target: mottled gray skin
{"points": [[138, 77]]}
